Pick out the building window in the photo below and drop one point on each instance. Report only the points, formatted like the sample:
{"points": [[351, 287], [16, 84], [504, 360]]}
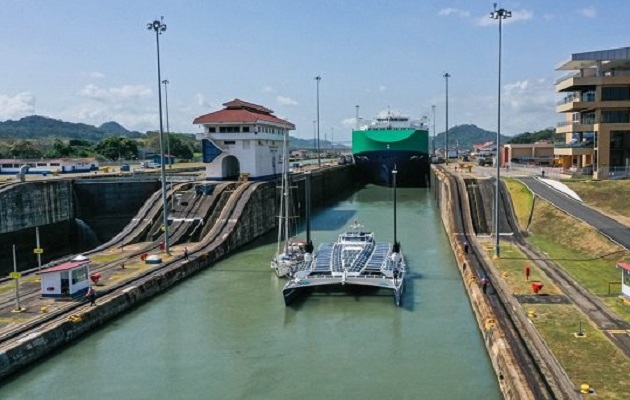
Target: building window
{"points": [[212, 129], [246, 129], [615, 117], [588, 118], [54, 164], [41, 164], [260, 143], [229, 129], [615, 93], [227, 142], [79, 275]]}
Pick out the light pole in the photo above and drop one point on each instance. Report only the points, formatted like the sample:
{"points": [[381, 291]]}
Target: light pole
{"points": [[357, 115], [499, 14], [433, 108], [319, 161], [314, 134], [159, 27], [446, 76], [168, 130]]}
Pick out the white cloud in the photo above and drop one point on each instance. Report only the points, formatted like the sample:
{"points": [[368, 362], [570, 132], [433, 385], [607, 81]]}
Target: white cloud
{"points": [[519, 15], [588, 12], [454, 11], [114, 94], [18, 106], [286, 101], [349, 122], [267, 89], [96, 75], [382, 88], [526, 105]]}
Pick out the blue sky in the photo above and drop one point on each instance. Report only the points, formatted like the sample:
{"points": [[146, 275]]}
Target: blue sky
{"points": [[94, 61]]}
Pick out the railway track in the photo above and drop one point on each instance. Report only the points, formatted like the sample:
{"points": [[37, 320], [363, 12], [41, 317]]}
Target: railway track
{"points": [[537, 381], [61, 313]]}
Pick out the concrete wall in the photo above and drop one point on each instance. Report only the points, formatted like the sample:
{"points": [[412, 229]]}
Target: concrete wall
{"points": [[36, 203], [106, 206]]}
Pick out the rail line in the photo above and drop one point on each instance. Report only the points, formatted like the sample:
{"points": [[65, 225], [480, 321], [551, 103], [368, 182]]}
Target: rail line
{"points": [[218, 231], [536, 379]]}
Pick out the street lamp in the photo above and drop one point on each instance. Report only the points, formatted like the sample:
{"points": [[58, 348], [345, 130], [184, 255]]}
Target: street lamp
{"points": [[159, 27], [168, 130], [433, 108], [499, 14], [319, 161], [446, 76]]}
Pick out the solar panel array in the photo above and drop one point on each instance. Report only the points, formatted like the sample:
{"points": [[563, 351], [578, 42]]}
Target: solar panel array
{"points": [[379, 255]]}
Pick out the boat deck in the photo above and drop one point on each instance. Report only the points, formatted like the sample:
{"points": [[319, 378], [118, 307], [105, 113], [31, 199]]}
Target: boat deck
{"points": [[355, 259]]}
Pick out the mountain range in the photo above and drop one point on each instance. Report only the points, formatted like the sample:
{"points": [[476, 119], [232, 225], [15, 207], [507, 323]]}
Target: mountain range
{"points": [[36, 127]]}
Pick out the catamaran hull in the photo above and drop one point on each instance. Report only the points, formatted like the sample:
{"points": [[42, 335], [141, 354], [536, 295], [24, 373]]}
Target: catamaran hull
{"points": [[296, 288], [376, 167]]}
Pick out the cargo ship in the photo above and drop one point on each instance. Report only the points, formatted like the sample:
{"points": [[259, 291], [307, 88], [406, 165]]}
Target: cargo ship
{"points": [[393, 140]]}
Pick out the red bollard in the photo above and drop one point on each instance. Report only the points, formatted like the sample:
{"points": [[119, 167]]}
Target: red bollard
{"points": [[162, 246], [536, 287], [95, 277], [527, 272]]}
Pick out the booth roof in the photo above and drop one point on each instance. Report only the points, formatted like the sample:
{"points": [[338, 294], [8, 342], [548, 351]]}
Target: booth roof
{"points": [[624, 265], [65, 266]]}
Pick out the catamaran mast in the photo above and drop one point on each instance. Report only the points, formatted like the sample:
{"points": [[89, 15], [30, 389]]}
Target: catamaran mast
{"points": [[285, 189]]}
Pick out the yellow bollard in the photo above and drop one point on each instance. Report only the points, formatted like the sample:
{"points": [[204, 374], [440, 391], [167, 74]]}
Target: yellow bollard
{"points": [[531, 314], [585, 388], [43, 309]]}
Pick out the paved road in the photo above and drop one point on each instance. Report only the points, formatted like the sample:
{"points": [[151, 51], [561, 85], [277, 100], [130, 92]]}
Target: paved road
{"points": [[608, 226]]}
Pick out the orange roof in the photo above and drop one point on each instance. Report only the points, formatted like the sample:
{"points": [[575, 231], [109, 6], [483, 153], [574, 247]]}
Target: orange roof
{"points": [[239, 111], [65, 266], [624, 265]]}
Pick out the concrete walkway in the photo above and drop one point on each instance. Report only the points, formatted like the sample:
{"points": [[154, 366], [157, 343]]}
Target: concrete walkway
{"points": [[615, 231]]}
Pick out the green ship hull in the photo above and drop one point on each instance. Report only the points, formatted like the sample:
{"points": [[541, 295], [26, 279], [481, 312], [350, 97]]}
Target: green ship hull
{"points": [[377, 152]]}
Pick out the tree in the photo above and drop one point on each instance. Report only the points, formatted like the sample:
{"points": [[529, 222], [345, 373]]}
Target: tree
{"points": [[117, 147], [24, 149]]}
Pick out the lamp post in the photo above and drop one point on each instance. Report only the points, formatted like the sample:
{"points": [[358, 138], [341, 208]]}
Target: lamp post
{"points": [[319, 161], [159, 27], [168, 130], [433, 109], [446, 76], [499, 14], [357, 116]]}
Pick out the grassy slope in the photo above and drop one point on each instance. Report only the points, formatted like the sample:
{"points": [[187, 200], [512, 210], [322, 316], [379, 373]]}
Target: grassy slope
{"points": [[590, 258], [610, 197]]}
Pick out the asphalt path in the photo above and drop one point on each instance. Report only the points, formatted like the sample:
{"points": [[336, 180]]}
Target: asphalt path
{"points": [[617, 232]]}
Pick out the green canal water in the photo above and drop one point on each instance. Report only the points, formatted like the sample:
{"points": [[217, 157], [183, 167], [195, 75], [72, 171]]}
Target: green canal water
{"points": [[226, 334]]}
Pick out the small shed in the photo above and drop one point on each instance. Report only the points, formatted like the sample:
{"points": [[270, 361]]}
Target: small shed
{"points": [[67, 279], [625, 279]]}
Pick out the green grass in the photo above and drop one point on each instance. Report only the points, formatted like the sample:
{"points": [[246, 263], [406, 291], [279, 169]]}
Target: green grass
{"points": [[611, 197], [592, 359], [522, 199], [511, 266]]}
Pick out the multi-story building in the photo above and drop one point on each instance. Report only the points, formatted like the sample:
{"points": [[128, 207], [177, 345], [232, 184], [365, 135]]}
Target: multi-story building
{"points": [[243, 138], [596, 132]]}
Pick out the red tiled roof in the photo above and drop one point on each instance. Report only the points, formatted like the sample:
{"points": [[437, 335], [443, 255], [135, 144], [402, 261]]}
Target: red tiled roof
{"points": [[238, 103], [624, 265], [238, 111], [65, 266]]}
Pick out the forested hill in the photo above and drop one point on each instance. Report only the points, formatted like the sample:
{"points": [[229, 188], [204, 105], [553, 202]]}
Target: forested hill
{"points": [[464, 136], [35, 127]]}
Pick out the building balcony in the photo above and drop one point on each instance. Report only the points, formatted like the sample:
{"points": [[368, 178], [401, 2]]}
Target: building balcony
{"points": [[570, 126], [575, 81], [573, 149]]}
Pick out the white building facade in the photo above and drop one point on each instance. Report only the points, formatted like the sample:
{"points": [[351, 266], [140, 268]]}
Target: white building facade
{"points": [[243, 138]]}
